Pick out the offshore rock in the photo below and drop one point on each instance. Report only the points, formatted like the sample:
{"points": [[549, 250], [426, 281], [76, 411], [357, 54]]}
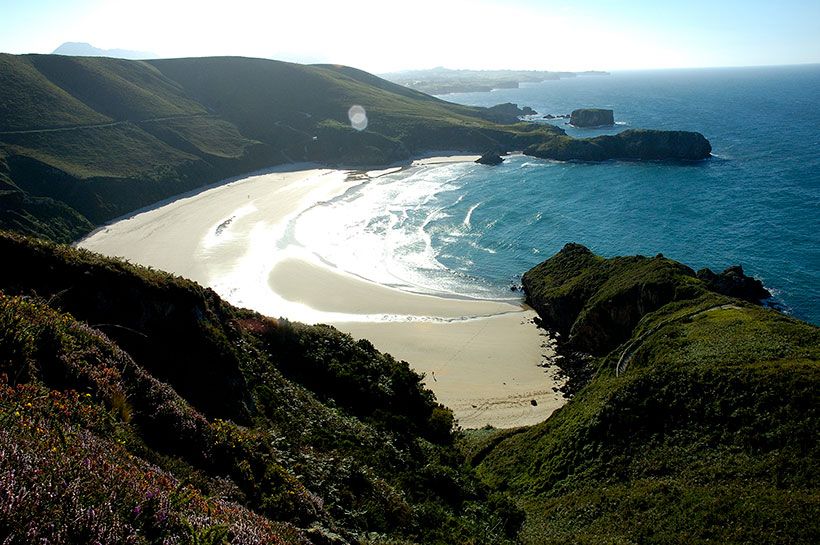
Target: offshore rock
{"points": [[490, 158], [592, 117]]}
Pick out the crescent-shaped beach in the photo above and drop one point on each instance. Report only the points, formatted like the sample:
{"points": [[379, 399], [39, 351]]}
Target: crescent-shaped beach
{"points": [[485, 359]]}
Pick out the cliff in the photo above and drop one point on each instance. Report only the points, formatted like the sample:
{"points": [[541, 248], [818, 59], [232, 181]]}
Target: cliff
{"points": [[697, 424], [506, 113], [595, 303], [592, 117]]}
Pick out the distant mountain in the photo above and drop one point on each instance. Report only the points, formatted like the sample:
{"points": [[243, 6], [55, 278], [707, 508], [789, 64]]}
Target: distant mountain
{"points": [[82, 49]]}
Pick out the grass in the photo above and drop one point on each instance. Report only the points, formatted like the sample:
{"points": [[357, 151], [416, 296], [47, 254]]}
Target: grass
{"points": [[121, 151], [117, 88], [133, 132], [284, 423], [42, 217], [26, 90], [708, 434]]}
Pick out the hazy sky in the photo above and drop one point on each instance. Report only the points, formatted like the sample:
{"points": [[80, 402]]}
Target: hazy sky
{"points": [[383, 36]]}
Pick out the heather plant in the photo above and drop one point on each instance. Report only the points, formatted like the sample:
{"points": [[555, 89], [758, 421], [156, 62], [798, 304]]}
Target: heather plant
{"points": [[63, 483], [303, 449]]}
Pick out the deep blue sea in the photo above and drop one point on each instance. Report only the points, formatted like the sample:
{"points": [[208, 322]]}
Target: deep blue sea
{"points": [[472, 230]]}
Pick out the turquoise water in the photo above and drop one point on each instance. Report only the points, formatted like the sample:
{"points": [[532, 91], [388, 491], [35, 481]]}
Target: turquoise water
{"points": [[472, 230]]}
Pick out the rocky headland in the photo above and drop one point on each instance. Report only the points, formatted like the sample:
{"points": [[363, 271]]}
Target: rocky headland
{"points": [[692, 402], [506, 113]]}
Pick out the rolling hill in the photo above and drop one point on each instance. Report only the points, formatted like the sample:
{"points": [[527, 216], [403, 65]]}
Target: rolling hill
{"points": [[137, 407], [101, 136], [86, 139]]}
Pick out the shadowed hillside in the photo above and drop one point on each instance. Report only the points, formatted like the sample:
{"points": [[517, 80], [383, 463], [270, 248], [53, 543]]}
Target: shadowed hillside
{"points": [[138, 407], [105, 136]]}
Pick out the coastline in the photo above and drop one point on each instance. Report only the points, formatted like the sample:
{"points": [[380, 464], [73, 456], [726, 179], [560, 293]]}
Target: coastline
{"points": [[482, 358]]}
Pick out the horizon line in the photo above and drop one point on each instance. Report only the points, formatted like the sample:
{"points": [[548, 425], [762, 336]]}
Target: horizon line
{"points": [[398, 71]]}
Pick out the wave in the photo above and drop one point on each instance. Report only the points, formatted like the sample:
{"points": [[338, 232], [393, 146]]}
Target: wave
{"points": [[469, 215]]}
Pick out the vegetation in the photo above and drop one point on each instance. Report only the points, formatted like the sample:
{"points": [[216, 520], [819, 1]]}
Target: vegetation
{"points": [[105, 136], [698, 422], [138, 407], [101, 137]]}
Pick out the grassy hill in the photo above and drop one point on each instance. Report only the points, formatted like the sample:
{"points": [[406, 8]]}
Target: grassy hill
{"points": [[100, 137], [138, 407], [696, 423], [104, 136]]}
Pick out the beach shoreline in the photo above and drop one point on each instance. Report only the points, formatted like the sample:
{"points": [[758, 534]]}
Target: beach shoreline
{"points": [[485, 359]]}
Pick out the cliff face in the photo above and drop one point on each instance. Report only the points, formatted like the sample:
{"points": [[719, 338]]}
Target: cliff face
{"points": [[592, 117], [734, 283], [595, 303], [632, 144], [506, 113], [697, 423]]}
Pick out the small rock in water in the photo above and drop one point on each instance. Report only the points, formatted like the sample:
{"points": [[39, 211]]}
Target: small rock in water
{"points": [[490, 158]]}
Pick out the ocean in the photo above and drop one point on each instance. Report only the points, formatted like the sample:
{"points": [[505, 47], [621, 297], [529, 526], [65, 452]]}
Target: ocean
{"points": [[470, 230]]}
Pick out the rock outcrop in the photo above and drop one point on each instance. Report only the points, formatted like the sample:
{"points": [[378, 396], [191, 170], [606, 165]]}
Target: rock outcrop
{"points": [[506, 113], [632, 144], [734, 283], [595, 303], [490, 158], [592, 117]]}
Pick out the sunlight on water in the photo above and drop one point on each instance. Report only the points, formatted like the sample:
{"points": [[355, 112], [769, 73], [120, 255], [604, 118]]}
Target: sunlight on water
{"points": [[463, 229]]}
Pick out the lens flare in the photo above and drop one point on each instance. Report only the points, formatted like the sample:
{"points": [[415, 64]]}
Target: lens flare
{"points": [[358, 117]]}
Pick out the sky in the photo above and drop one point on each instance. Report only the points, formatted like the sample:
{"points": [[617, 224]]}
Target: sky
{"points": [[382, 36]]}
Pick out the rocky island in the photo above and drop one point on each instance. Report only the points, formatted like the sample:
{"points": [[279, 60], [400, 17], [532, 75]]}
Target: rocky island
{"points": [[591, 117], [631, 144]]}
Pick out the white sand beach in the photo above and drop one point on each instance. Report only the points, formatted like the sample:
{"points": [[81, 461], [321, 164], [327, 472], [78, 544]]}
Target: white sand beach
{"points": [[482, 358]]}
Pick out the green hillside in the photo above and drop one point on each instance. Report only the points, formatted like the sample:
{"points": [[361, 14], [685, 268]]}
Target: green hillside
{"points": [[138, 407], [31, 101], [697, 423], [105, 136], [102, 136]]}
